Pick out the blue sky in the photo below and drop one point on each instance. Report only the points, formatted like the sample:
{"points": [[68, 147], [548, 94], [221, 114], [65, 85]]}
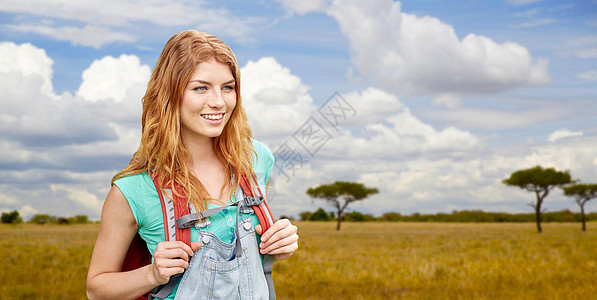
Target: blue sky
{"points": [[445, 98]]}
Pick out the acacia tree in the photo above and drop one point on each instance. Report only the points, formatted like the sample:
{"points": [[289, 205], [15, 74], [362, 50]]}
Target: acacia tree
{"points": [[582, 194], [540, 181], [341, 190]]}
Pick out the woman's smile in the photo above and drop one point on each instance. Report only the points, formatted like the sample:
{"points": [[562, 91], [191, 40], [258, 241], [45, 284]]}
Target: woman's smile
{"points": [[213, 117]]}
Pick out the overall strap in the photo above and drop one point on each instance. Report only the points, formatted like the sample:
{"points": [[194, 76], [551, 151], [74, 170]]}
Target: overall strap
{"points": [[267, 271]]}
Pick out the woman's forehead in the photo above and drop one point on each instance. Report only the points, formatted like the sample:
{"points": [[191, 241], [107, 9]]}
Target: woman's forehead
{"points": [[212, 71]]}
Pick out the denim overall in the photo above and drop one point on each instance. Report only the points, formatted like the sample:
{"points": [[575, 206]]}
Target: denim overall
{"points": [[218, 271]]}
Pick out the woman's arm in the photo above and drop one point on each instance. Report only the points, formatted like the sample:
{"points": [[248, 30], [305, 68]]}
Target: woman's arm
{"points": [[117, 229]]}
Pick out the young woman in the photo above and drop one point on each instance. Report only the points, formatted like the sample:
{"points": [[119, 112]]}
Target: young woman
{"points": [[195, 134]]}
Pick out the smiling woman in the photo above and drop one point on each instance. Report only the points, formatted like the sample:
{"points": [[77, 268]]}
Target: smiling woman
{"points": [[196, 148]]}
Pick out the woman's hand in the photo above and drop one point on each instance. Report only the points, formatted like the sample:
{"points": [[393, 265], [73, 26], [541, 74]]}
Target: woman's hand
{"points": [[171, 258], [280, 240]]}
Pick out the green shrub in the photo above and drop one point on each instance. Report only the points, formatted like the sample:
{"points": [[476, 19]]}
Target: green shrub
{"points": [[11, 218], [319, 215]]}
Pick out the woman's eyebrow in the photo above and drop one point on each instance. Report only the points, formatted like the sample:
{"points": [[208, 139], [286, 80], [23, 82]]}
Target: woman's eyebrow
{"points": [[209, 83]]}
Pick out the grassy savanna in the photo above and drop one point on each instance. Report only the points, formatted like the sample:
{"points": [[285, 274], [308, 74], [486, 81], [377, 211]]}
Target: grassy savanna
{"points": [[45, 262], [363, 261]]}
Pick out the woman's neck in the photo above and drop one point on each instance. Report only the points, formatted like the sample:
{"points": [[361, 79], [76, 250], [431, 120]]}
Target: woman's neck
{"points": [[201, 152], [206, 166]]}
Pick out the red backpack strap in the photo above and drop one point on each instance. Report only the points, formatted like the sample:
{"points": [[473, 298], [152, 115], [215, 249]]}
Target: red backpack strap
{"points": [[172, 210], [264, 215], [266, 219]]}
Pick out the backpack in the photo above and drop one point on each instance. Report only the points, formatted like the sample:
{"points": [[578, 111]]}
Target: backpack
{"points": [[178, 219]]}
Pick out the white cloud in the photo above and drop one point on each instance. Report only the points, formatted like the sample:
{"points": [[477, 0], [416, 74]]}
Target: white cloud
{"points": [[400, 135], [112, 78], [8, 200], [384, 137], [584, 40], [479, 118], [590, 75], [584, 47], [521, 2], [63, 140], [276, 101], [575, 155], [109, 12], [34, 119], [27, 60], [27, 211], [89, 36], [528, 13], [30, 119], [447, 100], [108, 20], [302, 7], [586, 53], [383, 133], [408, 53], [372, 106], [535, 23], [502, 112], [562, 134], [421, 184], [90, 202]]}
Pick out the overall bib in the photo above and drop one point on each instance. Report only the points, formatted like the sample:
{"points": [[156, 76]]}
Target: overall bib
{"points": [[220, 270]]}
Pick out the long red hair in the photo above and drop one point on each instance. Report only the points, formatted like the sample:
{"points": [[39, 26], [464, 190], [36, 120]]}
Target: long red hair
{"points": [[161, 149]]}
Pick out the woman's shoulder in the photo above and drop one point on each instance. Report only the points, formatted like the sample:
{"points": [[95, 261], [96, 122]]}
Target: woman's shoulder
{"points": [[263, 162], [263, 154], [138, 191], [133, 179], [134, 185]]}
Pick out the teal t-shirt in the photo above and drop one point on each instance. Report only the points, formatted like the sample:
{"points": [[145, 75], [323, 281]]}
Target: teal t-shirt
{"points": [[141, 194]]}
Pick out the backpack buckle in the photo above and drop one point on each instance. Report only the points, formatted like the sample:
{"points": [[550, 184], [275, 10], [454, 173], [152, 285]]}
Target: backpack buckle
{"points": [[254, 201]]}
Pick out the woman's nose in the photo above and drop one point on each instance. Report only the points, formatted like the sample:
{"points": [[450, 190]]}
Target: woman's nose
{"points": [[216, 100]]}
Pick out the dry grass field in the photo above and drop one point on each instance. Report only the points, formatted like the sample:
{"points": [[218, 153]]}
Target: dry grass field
{"points": [[362, 261]]}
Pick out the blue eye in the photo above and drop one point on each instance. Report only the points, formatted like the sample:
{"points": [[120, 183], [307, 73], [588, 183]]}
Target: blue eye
{"points": [[200, 88], [228, 88]]}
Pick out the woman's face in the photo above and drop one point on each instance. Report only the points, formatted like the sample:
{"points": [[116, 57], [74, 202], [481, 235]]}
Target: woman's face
{"points": [[208, 101]]}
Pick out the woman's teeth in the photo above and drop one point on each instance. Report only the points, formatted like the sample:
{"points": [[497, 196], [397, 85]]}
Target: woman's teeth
{"points": [[213, 117]]}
